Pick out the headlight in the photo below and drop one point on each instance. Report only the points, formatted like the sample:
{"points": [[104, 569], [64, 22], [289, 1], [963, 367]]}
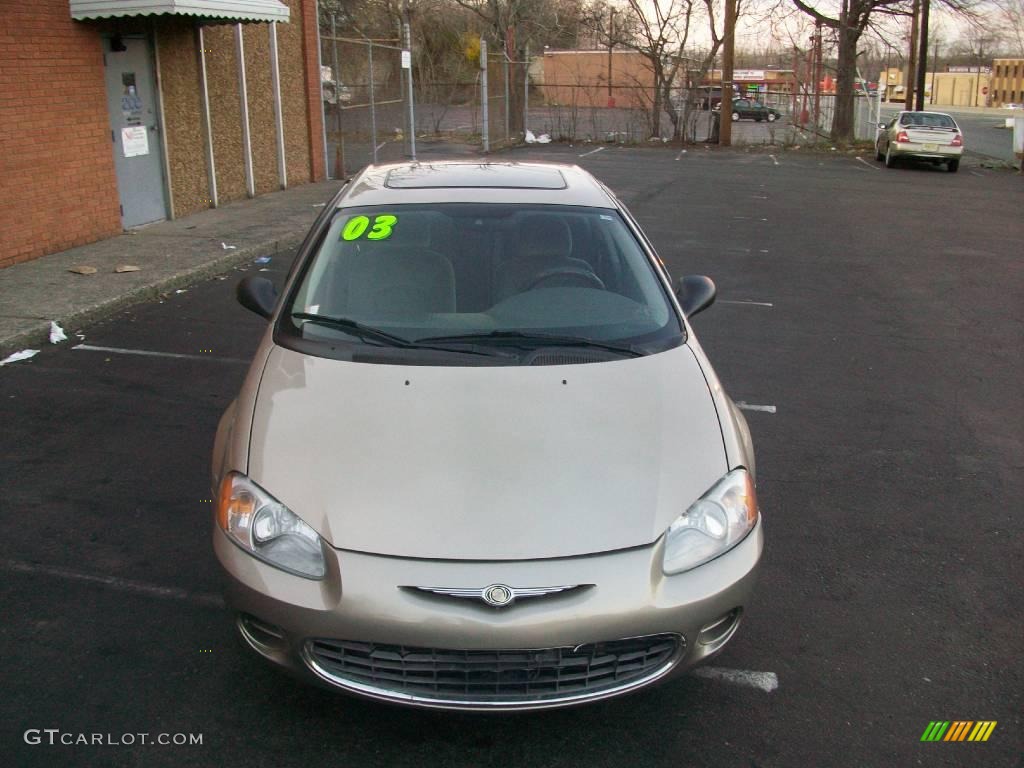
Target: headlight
{"points": [[267, 529], [714, 524]]}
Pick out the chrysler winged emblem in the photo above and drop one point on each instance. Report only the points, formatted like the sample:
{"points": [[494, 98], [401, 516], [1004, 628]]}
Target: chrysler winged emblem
{"points": [[498, 595]]}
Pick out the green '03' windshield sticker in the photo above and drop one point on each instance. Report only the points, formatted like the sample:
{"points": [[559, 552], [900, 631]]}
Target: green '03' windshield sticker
{"points": [[358, 226]]}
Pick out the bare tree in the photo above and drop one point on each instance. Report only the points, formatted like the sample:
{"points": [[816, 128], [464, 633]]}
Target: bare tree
{"points": [[848, 25], [514, 24], [1010, 18], [659, 31]]}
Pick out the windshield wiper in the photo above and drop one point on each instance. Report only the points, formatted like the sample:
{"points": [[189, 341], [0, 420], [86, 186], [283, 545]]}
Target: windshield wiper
{"points": [[370, 333], [521, 339], [356, 329]]}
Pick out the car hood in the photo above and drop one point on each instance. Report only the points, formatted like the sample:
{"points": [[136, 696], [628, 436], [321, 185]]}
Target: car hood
{"points": [[486, 463]]}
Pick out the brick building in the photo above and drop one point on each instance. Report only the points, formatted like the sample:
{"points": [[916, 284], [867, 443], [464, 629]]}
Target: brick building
{"points": [[581, 79], [119, 113]]}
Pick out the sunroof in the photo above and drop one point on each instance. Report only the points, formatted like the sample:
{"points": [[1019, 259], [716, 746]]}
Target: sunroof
{"points": [[477, 175]]}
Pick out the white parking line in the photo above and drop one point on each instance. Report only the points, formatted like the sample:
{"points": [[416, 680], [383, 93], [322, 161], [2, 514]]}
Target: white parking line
{"points": [[593, 151], [869, 165], [149, 353], [762, 681], [121, 585], [744, 301], [749, 407]]}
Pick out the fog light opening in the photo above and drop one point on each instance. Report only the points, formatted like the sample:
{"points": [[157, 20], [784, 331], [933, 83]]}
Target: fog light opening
{"points": [[262, 635], [718, 632]]}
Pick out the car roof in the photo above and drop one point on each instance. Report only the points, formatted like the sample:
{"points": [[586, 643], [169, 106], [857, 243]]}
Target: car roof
{"points": [[457, 181]]}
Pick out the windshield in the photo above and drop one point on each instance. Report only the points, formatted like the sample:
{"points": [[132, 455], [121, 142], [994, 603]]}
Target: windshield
{"points": [[494, 275]]}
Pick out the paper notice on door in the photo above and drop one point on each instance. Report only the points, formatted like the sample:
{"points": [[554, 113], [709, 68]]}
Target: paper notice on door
{"points": [[134, 141]]}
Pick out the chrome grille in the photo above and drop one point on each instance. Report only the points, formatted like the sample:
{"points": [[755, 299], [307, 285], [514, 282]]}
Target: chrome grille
{"points": [[493, 677]]}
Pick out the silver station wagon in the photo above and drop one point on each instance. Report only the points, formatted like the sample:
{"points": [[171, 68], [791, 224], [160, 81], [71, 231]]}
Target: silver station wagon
{"points": [[480, 460]]}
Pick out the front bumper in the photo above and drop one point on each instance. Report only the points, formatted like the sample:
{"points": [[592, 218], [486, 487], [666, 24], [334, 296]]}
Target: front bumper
{"points": [[624, 596]]}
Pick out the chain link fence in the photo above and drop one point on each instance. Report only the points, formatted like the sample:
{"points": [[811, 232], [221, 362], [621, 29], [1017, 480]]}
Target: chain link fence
{"points": [[364, 101], [367, 115], [493, 101], [594, 112]]}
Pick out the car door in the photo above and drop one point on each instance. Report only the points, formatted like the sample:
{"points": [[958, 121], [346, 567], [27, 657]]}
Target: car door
{"points": [[741, 107], [889, 132]]}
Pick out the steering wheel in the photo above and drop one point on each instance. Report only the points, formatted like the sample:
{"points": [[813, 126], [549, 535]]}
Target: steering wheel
{"points": [[581, 274]]}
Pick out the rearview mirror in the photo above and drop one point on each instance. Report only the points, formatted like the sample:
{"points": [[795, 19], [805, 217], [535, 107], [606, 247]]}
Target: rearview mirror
{"points": [[695, 293], [258, 295]]}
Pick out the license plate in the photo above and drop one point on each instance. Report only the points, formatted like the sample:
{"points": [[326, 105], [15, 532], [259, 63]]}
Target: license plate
{"points": [[931, 147]]}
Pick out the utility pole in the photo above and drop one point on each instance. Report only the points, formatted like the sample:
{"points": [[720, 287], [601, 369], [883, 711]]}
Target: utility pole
{"points": [[935, 68], [922, 57], [908, 100], [728, 51], [339, 142], [485, 126], [818, 75], [611, 44], [526, 89], [407, 34], [981, 55], [796, 80]]}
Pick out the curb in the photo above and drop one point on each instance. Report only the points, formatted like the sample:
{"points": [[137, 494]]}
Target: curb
{"points": [[38, 335]]}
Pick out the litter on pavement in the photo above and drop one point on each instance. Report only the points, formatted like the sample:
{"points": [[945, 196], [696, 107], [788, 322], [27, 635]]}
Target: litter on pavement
{"points": [[57, 334], [83, 270], [262, 260], [532, 139], [227, 247], [127, 268], [25, 354]]}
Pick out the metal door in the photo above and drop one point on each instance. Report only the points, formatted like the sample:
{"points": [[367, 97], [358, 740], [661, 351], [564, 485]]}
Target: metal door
{"points": [[134, 124]]}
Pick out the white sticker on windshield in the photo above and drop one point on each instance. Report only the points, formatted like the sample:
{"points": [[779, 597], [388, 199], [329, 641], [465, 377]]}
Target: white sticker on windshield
{"points": [[607, 218]]}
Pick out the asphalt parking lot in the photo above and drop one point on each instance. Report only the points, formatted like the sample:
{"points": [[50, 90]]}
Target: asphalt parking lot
{"points": [[872, 318]]}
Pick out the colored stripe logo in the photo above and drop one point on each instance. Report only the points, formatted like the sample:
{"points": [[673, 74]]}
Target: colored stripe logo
{"points": [[958, 730]]}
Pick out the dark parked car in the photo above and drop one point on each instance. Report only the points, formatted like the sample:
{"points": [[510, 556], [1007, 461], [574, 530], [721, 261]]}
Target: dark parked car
{"points": [[747, 109], [710, 96]]}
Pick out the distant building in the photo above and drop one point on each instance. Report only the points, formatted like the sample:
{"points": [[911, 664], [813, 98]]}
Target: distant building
{"points": [[752, 83], [581, 79], [959, 87], [1007, 84]]}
